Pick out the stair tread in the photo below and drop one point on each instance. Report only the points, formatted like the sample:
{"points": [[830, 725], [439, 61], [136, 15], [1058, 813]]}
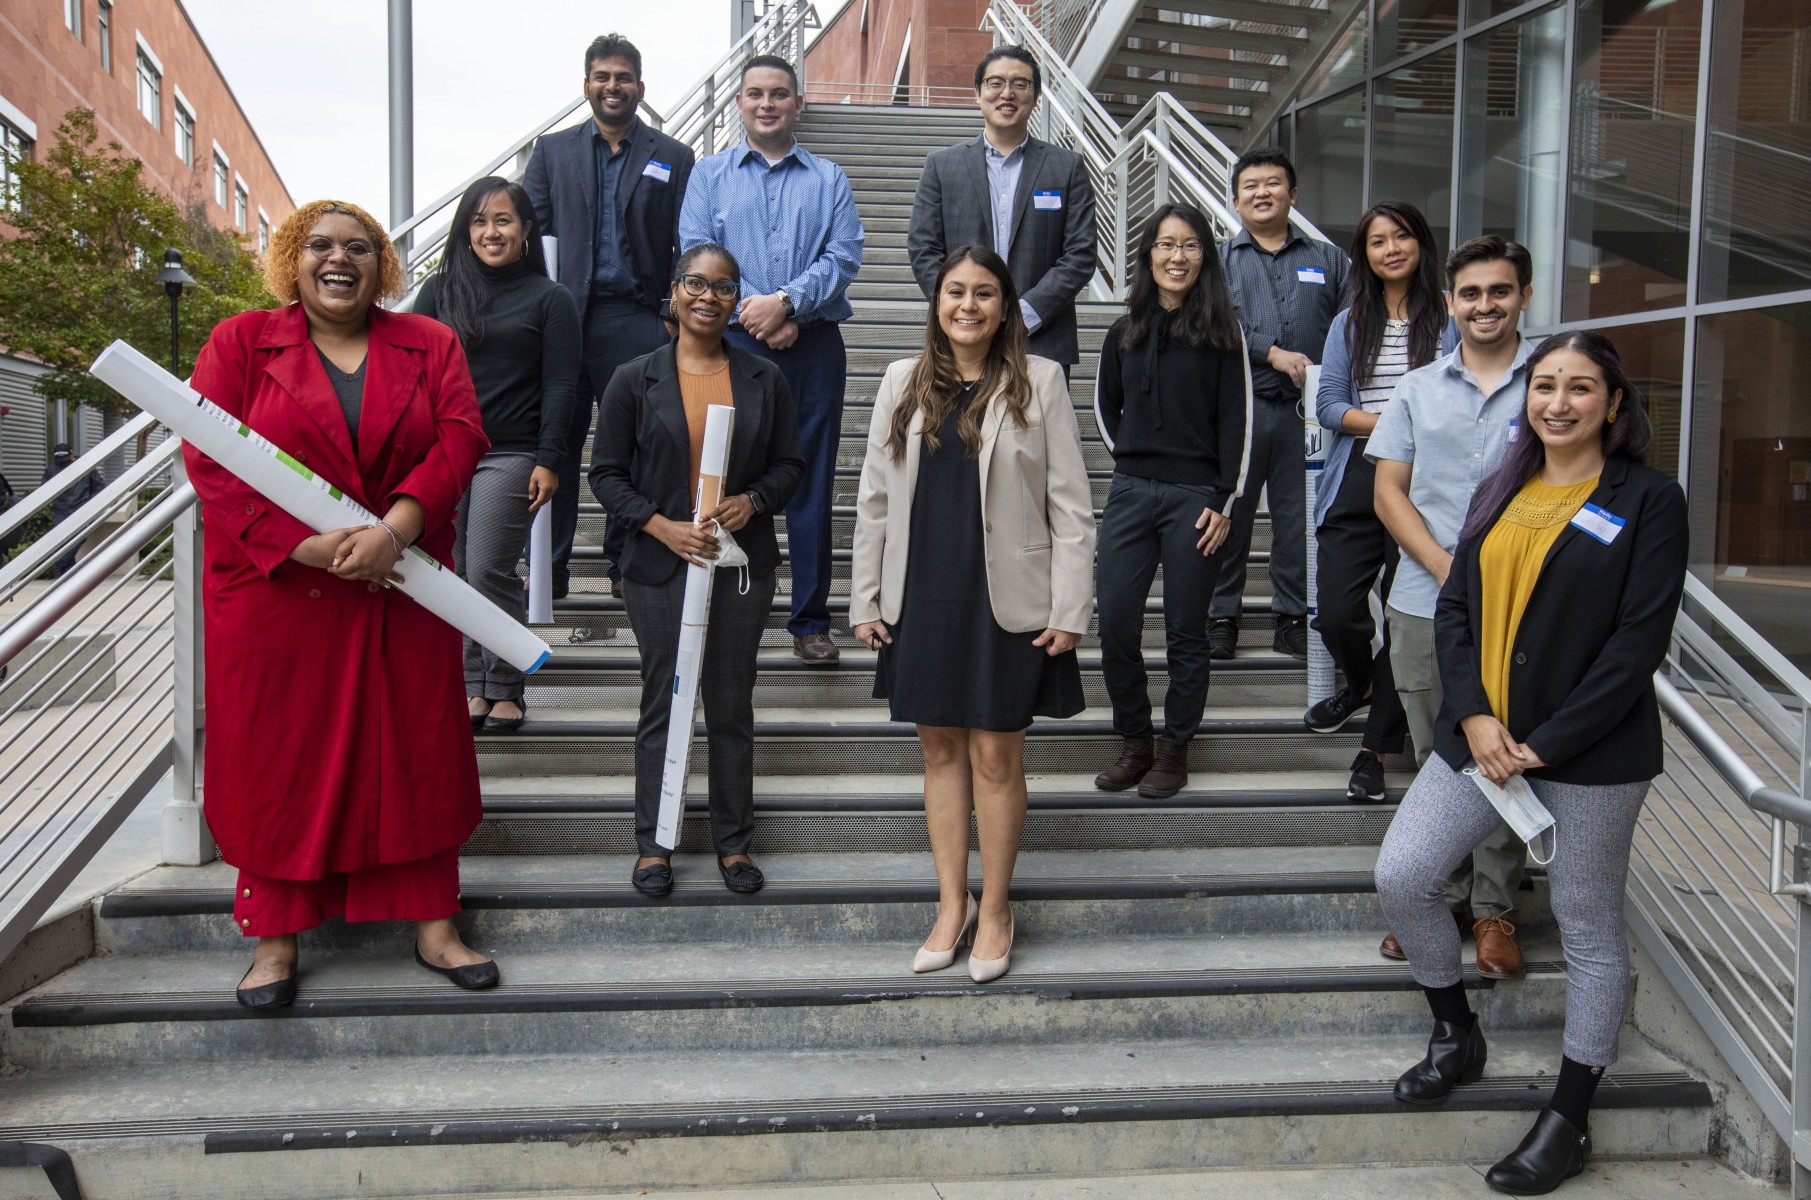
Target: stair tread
{"points": [[678, 1089], [871, 719], [1207, 789]]}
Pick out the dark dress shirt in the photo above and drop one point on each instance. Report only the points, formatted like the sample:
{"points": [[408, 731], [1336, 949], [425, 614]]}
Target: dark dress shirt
{"points": [[613, 271], [1281, 303]]}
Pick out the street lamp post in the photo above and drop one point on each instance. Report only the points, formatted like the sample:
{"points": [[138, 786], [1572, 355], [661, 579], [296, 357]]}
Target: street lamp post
{"points": [[174, 279]]}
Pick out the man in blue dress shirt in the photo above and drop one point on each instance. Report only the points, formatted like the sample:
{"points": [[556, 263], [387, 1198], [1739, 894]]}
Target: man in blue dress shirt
{"points": [[789, 218]]}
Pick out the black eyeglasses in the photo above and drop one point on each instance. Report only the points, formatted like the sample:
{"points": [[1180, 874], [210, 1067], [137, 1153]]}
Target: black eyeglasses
{"points": [[697, 285], [323, 249]]}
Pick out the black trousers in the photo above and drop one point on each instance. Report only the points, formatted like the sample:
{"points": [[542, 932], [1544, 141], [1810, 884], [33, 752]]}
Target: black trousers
{"points": [[726, 682], [1147, 522], [1354, 550], [616, 331]]}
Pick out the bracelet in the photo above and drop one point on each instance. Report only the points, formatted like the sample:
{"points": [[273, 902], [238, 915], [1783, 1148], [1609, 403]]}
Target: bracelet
{"points": [[395, 537]]}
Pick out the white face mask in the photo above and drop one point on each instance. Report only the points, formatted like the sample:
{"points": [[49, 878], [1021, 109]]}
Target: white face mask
{"points": [[1522, 811], [732, 555]]}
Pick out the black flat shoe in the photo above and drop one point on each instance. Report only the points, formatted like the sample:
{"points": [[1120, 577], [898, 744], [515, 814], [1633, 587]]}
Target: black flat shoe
{"points": [[654, 880], [1554, 1151], [473, 977], [1454, 1056], [280, 994], [742, 877], [506, 724]]}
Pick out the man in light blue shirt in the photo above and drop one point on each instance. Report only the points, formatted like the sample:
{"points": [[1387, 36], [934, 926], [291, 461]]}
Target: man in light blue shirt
{"points": [[789, 218], [1449, 425]]}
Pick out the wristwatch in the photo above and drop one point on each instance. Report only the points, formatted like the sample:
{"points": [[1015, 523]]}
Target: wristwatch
{"points": [[754, 498], [791, 308]]}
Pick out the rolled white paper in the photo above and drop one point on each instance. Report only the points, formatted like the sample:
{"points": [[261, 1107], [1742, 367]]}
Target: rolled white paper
{"points": [[694, 619], [540, 567], [308, 498], [550, 246]]}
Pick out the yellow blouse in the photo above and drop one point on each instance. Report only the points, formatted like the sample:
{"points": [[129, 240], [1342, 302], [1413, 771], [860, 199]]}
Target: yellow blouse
{"points": [[1509, 563]]}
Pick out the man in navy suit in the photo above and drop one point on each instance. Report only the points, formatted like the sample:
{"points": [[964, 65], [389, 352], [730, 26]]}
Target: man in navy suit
{"points": [[610, 191]]}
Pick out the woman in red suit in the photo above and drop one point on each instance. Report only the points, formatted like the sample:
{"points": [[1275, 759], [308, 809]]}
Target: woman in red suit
{"points": [[341, 775]]}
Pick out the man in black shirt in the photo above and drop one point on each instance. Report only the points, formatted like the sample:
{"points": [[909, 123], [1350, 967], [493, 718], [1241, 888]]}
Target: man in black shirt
{"points": [[69, 501]]}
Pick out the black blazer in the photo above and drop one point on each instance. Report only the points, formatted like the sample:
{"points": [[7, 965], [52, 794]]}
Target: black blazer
{"points": [[1052, 255], [1597, 625], [641, 463], [561, 182]]}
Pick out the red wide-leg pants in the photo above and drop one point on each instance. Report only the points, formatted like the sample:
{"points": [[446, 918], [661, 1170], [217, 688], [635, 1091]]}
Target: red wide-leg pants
{"points": [[425, 889]]}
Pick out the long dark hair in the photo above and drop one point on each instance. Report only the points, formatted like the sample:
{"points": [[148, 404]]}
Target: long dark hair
{"points": [[1368, 314], [935, 384], [1207, 316], [464, 298], [1628, 436]]}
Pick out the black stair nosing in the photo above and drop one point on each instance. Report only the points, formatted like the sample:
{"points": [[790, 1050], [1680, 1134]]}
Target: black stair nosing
{"points": [[578, 1124], [1291, 800], [568, 659], [701, 893], [83, 1010], [882, 728]]}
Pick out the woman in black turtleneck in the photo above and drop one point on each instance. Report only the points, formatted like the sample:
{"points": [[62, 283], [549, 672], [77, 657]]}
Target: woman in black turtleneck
{"points": [[1173, 399], [521, 336]]}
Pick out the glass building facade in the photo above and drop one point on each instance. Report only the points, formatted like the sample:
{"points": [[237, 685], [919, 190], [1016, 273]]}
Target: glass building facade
{"points": [[1655, 158]]}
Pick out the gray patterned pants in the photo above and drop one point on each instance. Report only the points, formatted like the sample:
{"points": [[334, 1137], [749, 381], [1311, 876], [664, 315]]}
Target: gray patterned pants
{"points": [[488, 535]]}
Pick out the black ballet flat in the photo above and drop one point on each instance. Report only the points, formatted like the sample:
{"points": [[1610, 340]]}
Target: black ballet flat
{"points": [[473, 977], [654, 880], [507, 724], [280, 994], [743, 877]]}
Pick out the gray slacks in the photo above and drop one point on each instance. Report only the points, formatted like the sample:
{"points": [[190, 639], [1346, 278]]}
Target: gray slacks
{"points": [[489, 531], [1484, 883], [1280, 469], [726, 682], [1443, 816]]}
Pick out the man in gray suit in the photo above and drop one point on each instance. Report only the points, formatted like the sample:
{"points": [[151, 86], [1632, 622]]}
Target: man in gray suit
{"points": [[1027, 199]]}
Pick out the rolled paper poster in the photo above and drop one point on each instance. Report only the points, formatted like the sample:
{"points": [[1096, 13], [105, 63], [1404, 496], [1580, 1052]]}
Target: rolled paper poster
{"points": [[550, 245], [540, 567], [694, 619], [308, 498]]}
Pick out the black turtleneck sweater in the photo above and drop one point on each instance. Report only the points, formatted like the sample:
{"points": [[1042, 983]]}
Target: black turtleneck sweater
{"points": [[526, 366], [1173, 413]]}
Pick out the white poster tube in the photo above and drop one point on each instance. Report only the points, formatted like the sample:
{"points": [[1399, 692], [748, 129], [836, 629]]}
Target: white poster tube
{"points": [[694, 619], [550, 246], [308, 498], [1314, 452], [540, 567]]}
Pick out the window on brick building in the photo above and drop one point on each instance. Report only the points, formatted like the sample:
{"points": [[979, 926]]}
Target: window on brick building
{"points": [[150, 89], [72, 17], [263, 232], [103, 29], [15, 147], [220, 172], [185, 130], [241, 205]]}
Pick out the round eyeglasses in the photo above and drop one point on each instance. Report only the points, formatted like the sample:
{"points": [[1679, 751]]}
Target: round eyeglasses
{"points": [[322, 248]]}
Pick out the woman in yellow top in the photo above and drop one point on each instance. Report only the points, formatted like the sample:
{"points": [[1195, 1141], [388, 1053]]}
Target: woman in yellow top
{"points": [[1556, 614]]}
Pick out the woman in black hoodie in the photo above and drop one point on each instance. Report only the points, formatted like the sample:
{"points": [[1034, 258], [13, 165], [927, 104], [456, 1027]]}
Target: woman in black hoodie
{"points": [[1174, 404]]}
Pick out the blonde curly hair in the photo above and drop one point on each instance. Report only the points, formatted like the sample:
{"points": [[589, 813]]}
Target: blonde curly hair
{"points": [[286, 247]]}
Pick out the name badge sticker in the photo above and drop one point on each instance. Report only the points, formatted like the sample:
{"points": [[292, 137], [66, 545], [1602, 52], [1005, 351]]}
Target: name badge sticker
{"points": [[1600, 523], [1310, 275], [1051, 201], [658, 171], [1515, 429]]}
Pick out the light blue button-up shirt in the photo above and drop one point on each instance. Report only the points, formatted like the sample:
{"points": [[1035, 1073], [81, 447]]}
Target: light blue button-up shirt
{"points": [[791, 225], [1442, 423]]}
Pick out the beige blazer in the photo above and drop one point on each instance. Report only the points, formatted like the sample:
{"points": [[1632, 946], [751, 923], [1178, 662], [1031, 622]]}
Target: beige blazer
{"points": [[1036, 509]]}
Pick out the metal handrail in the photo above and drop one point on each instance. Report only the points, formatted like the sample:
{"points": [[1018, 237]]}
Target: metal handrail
{"points": [[28, 507]]}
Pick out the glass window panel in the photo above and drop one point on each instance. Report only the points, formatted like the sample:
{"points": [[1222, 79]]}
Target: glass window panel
{"points": [[150, 91], [239, 206], [104, 32], [14, 148], [72, 16], [1653, 355], [185, 135], [1412, 139], [1330, 163], [1345, 63], [1405, 26], [219, 181], [1751, 454], [1757, 201], [1634, 100], [1514, 121]]}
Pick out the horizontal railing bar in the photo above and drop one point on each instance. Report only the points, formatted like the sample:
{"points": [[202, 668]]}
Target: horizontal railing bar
{"points": [[114, 496], [26, 507], [1777, 664]]}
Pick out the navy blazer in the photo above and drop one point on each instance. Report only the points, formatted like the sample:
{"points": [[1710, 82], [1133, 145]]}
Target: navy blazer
{"points": [[641, 463], [1596, 628], [561, 182], [1053, 255]]}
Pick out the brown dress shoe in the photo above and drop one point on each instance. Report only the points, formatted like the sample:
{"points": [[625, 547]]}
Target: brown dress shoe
{"points": [[816, 648], [1134, 761], [1498, 955], [1169, 770], [1391, 948]]}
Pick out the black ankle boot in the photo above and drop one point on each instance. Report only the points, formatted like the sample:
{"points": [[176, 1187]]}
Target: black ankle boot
{"points": [[1553, 1152], [1455, 1055]]}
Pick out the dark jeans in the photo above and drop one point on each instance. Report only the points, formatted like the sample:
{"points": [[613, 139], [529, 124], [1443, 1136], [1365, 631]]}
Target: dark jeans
{"points": [[1147, 522], [1278, 465], [616, 331], [727, 684], [816, 369], [1354, 548]]}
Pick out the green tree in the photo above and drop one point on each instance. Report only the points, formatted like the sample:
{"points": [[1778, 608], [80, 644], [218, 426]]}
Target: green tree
{"points": [[89, 235]]}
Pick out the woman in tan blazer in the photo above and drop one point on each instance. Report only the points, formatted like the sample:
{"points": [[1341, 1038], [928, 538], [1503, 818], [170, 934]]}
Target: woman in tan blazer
{"points": [[973, 579]]}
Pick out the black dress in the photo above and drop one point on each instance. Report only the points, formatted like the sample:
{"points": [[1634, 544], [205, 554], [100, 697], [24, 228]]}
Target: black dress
{"points": [[950, 662]]}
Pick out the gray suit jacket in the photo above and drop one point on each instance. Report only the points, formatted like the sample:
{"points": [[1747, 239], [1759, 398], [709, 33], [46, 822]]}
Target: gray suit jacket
{"points": [[1052, 255]]}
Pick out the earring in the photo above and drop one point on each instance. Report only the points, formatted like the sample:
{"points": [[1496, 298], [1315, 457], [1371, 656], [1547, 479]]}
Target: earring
{"points": [[525, 250], [1611, 419]]}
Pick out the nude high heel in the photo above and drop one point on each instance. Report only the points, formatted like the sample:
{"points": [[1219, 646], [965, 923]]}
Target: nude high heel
{"points": [[937, 960], [986, 970]]}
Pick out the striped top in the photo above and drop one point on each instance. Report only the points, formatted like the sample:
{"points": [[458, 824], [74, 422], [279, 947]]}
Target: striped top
{"points": [[1392, 364]]}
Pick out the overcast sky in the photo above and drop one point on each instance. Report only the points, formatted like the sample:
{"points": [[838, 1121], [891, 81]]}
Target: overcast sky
{"points": [[485, 74]]}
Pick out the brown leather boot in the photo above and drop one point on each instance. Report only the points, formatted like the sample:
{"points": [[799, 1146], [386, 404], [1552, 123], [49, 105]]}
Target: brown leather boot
{"points": [[1169, 772], [1134, 761], [1498, 955], [1391, 948]]}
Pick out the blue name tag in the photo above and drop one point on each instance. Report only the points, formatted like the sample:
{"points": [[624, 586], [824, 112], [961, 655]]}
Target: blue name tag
{"points": [[1515, 429], [1600, 523], [1310, 275], [658, 171], [1047, 201]]}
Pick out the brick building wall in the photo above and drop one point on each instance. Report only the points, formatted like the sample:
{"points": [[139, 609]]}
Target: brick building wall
{"points": [[941, 40]]}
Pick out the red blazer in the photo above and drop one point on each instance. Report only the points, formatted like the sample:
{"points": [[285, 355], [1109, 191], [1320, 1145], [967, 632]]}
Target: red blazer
{"points": [[337, 737]]}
